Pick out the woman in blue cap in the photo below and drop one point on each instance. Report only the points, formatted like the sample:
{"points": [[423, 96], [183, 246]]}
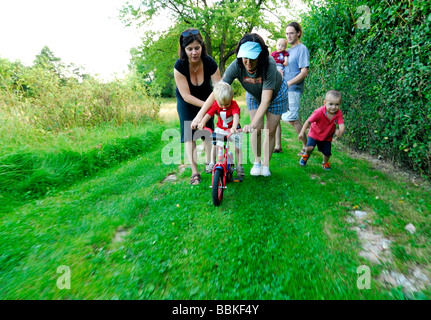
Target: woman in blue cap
{"points": [[266, 94]]}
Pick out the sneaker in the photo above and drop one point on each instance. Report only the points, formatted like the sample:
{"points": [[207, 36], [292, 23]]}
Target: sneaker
{"points": [[240, 172], [265, 171], [326, 166], [255, 171], [303, 160]]}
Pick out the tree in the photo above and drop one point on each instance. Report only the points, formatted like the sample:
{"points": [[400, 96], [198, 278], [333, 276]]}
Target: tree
{"points": [[47, 60], [222, 23]]}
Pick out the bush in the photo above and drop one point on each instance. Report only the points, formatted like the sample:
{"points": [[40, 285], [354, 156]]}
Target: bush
{"points": [[38, 98], [383, 72]]}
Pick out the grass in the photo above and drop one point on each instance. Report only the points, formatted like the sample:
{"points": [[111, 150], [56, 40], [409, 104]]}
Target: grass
{"points": [[125, 234]]}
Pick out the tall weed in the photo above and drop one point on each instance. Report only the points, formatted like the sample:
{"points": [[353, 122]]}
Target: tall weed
{"points": [[37, 98]]}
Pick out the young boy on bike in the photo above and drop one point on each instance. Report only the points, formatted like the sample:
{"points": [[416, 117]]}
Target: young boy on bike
{"points": [[228, 113], [324, 121]]}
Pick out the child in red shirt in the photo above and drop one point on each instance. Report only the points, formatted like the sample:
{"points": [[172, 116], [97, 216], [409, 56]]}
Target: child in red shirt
{"points": [[228, 113], [324, 121]]}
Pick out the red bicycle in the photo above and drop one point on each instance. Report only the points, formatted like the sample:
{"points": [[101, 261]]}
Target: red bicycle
{"points": [[223, 169]]}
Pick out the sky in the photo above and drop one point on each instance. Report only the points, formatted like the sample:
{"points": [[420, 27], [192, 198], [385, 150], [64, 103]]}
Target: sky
{"points": [[84, 32]]}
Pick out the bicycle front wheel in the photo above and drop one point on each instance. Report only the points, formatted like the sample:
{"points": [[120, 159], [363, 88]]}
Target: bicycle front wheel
{"points": [[217, 187]]}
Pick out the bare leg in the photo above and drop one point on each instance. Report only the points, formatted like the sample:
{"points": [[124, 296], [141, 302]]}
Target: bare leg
{"points": [[209, 152], [278, 137], [272, 121], [309, 150], [256, 138], [298, 127], [192, 155], [238, 156]]}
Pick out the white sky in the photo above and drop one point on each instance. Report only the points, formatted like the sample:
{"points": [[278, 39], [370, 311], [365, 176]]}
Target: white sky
{"points": [[87, 33], [84, 32]]}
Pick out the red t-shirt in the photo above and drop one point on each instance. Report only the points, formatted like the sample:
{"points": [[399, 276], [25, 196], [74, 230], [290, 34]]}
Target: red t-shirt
{"points": [[322, 129], [225, 117], [279, 56]]}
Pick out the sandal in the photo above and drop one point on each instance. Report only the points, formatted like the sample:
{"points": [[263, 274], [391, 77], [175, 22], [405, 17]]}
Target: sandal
{"points": [[302, 152], [277, 150], [195, 179]]}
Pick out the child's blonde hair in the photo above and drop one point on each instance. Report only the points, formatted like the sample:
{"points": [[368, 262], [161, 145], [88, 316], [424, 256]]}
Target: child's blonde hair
{"points": [[333, 93], [223, 91]]}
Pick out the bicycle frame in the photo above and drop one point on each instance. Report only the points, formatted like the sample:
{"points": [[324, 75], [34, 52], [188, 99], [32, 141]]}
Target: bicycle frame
{"points": [[223, 169]]}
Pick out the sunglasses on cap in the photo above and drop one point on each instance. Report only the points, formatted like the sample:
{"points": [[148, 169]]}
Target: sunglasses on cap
{"points": [[189, 32]]}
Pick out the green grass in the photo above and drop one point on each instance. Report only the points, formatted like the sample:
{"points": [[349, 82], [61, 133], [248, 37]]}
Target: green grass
{"points": [[280, 237]]}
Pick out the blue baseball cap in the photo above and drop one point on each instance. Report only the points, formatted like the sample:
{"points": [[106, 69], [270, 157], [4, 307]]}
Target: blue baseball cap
{"points": [[250, 50]]}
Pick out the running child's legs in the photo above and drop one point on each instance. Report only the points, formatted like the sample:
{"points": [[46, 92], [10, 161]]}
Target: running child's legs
{"points": [[323, 146]]}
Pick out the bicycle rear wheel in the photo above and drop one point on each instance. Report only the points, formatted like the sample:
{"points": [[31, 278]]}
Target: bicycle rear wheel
{"points": [[217, 187]]}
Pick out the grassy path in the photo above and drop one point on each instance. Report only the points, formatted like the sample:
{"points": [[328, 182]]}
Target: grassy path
{"points": [[125, 234]]}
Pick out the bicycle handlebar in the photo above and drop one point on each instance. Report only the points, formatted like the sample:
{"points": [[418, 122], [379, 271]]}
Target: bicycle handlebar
{"points": [[228, 136]]}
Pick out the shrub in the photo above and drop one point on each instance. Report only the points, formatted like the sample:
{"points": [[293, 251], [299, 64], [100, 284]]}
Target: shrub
{"points": [[37, 98]]}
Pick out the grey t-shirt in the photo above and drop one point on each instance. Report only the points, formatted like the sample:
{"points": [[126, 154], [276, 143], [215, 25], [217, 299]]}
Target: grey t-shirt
{"points": [[251, 83], [298, 58]]}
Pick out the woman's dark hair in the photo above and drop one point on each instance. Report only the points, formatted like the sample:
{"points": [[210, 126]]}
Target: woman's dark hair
{"points": [[187, 37], [262, 58], [296, 26]]}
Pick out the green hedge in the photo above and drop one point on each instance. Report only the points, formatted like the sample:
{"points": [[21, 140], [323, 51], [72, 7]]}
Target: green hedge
{"points": [[382, 67]]}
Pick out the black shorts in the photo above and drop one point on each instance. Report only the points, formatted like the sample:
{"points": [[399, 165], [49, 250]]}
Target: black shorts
{"points": [[186, 113], [322, 146]]}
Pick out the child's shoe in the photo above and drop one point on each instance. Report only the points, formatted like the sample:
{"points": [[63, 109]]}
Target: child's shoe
{"points": [[326, 166], [303, 160], [255, 171]]}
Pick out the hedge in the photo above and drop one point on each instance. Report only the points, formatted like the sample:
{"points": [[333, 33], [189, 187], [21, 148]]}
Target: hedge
{"points": [[381, 64]]}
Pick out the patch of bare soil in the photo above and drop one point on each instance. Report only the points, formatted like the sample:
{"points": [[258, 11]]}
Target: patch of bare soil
{"points": [[386, 166], [376, 249]]}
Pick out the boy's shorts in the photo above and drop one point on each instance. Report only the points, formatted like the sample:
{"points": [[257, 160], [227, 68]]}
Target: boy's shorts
{"points": [[292, 113], [322, 146], [236, 138], [277, 106]]}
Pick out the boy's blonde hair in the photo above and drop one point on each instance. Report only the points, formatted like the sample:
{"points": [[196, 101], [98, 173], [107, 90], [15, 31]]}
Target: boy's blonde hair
{"points": [[223, 91], [333, 94]]}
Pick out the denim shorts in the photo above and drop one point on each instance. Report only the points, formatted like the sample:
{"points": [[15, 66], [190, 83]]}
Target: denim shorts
{"points": [[292, 113], [322, 146], [277, 106]]}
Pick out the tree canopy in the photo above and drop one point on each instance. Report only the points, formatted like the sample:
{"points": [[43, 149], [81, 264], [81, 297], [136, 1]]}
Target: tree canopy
{"points": [[222, 23]]}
